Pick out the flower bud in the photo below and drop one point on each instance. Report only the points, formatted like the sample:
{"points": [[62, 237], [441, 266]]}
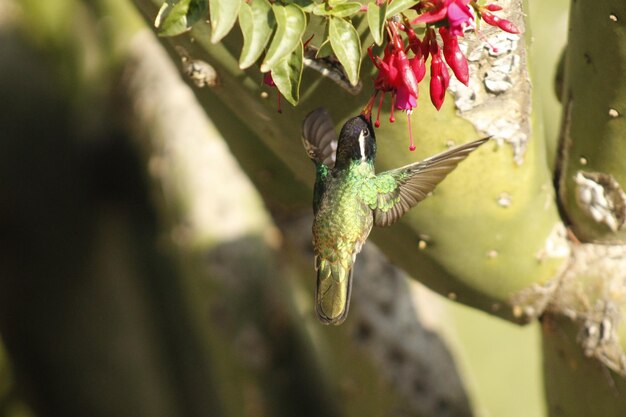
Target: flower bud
{"points": [[406, 73], [494, 20], [418, 66], [414, 43], [438, 83], [493, 7], [453, 55]]}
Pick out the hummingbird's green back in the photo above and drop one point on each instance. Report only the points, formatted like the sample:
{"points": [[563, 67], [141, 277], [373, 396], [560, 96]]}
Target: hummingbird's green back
{"points": [[341, 225]]}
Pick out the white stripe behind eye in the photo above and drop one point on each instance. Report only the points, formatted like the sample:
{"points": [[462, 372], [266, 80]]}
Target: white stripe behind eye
{"points": [[362, 146]]}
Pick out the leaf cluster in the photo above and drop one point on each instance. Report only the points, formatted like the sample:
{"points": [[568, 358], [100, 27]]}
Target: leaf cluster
{"points": [[273, 31]]}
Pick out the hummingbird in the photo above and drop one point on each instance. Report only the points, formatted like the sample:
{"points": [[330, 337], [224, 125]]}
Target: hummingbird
{"points": [[349, 198]]}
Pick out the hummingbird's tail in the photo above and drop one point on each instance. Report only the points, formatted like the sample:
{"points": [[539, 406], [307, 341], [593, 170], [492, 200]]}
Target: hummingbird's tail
{"points": [[332, 297]]}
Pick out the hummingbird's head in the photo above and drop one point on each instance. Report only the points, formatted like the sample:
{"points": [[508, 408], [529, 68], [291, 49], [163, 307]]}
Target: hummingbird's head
{"points": [[357, 142]]}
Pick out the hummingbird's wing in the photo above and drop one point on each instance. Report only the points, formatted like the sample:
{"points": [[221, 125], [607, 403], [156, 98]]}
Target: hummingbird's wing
{"points": [[401, 189], [320, 142], [319, 137]]}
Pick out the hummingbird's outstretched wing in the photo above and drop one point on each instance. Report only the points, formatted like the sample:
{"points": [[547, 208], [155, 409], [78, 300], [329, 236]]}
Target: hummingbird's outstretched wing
{"points": [[401, 189], [319, 137], [320, 142]]}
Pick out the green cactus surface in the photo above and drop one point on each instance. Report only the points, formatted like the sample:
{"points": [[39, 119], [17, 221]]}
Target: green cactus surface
{"points": [[593, 172]]}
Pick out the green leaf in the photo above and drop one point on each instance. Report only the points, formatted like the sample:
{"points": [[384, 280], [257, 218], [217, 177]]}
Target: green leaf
{"points": [[306, 5], [198, 9], [347, 47], [345, 9], [291, 22], [398, 6], [172, 18], [325, 49], [256, 21], [287, 74], [177, 16], [376, 20], [319, 9], [334, 3], [223, 16]]}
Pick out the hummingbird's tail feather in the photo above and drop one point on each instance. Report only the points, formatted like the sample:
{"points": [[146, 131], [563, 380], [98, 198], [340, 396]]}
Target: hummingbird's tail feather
{"points": [[332, 296]]}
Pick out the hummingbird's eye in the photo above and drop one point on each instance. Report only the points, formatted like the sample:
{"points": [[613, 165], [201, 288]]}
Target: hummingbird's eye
{"points": [[365, 132]]}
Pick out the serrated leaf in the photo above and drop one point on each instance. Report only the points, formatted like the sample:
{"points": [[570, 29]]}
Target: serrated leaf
{"points": [[223, 16], [177, 16], [376, 20], [291, 23], [287, 74], [398, 6], [345, 9], [347, 47], [257, 22]]}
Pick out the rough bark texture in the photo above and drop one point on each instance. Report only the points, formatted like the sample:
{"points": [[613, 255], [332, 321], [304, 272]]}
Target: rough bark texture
{"points": [[590, 172]]}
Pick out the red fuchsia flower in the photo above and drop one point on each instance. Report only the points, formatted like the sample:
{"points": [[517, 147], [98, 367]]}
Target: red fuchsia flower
{"points": [[431, 11], [408, 79], [437, 81], [420, 51], [494, 20], [457, 12], [405, 100], [419, 67], [459, 16], [398, 75], [395, 75], [453, 55], [439, 77], [268, 80], [387, 76]]}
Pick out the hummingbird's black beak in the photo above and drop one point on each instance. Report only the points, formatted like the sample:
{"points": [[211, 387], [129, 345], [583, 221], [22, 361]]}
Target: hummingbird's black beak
{"points": [[367, 110]]}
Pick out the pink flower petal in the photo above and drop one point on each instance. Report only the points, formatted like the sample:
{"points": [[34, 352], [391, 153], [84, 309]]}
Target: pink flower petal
{"points": [[405, 100], [432, 16], [458, 17]]}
